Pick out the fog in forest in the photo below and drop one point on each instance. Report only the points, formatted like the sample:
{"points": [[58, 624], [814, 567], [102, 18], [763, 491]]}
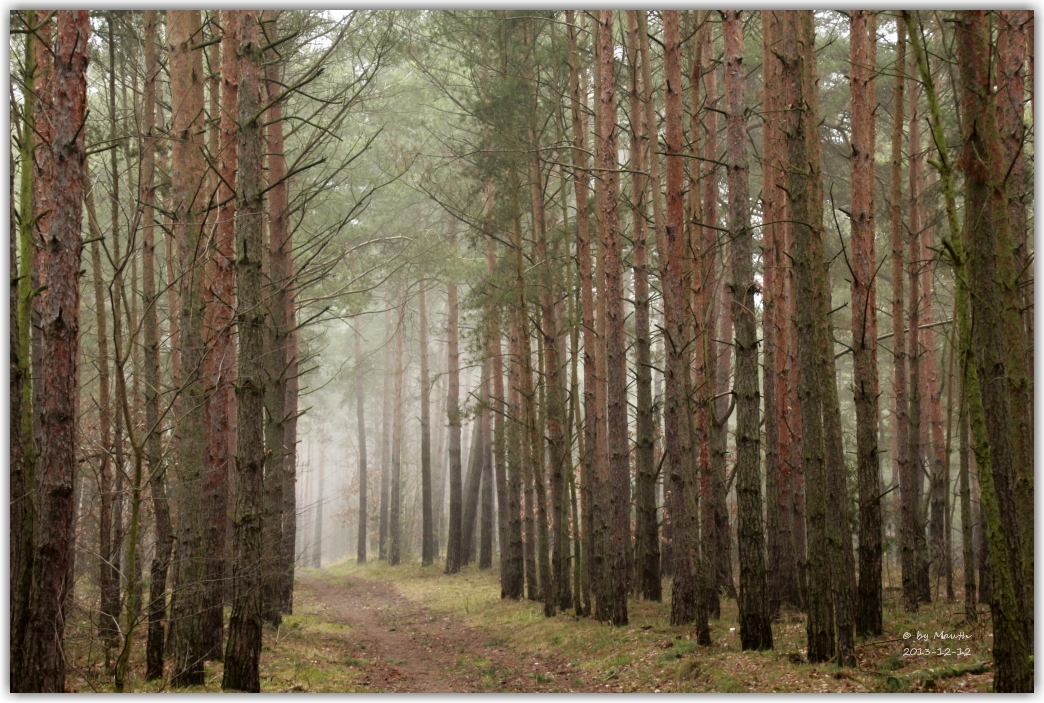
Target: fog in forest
{"points": [[538, 350]]}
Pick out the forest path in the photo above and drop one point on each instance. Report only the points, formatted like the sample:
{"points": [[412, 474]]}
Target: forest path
{"points": [[411, 649]]}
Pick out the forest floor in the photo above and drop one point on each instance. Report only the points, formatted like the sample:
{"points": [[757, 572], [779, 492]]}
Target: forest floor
{"points": [[376, 628]]}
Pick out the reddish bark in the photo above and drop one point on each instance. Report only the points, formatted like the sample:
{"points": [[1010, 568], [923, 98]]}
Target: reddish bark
{"points": [[864, 319], [56, 404], [618, 518], [782, 559], [687, 599], [187, 176], [221, 359], [1012, 47]]}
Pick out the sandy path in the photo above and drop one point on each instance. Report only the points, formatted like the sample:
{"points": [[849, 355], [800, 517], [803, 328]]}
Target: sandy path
{"points": [[412, 649]]}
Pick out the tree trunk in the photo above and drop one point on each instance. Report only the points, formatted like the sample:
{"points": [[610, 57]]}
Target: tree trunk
{"points": [[277, 521], [394, 507], [820, 626], [63, 112], [360, 420], [618, 477], [108, 568], [1012, 663], [647, 537], [486, 532], [937, 459], [717, 542], [755, 626], [578, 91], [23, 449], [187, 176], [1018, 290], [712, 460], [153, 449], [843, 579], [967, 534], [290, 429], [997, 340], [499, 409], [1012, 29], [320, 498], [946, 545], [917, 450], [109, 538], [386, 428], [782, 562], [864, 320], [514, 582], [555, 406], [687, 592], [453, 541], [243, 650], [220, 362], [427, 530], [599, 446], [901, 425]]}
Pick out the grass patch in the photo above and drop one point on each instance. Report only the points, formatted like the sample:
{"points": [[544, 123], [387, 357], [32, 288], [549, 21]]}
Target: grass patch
{"points": [[649, 654], [307, 653]]}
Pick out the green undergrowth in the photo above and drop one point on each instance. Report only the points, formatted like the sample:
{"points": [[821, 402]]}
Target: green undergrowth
{"points": [[307, 654], [649, 654]]}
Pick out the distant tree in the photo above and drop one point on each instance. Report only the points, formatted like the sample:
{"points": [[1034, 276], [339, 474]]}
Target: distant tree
{"points": [[395, 504], [360, 419], [453, 541], [427, 525]]}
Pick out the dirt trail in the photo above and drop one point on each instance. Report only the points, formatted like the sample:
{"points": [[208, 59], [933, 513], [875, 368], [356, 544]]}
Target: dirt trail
{"points": [[414, 650]]}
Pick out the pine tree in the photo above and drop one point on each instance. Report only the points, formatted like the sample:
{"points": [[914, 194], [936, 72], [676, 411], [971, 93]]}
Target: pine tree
{"points": [[243, 650], [755, 627], [864, 319]]}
